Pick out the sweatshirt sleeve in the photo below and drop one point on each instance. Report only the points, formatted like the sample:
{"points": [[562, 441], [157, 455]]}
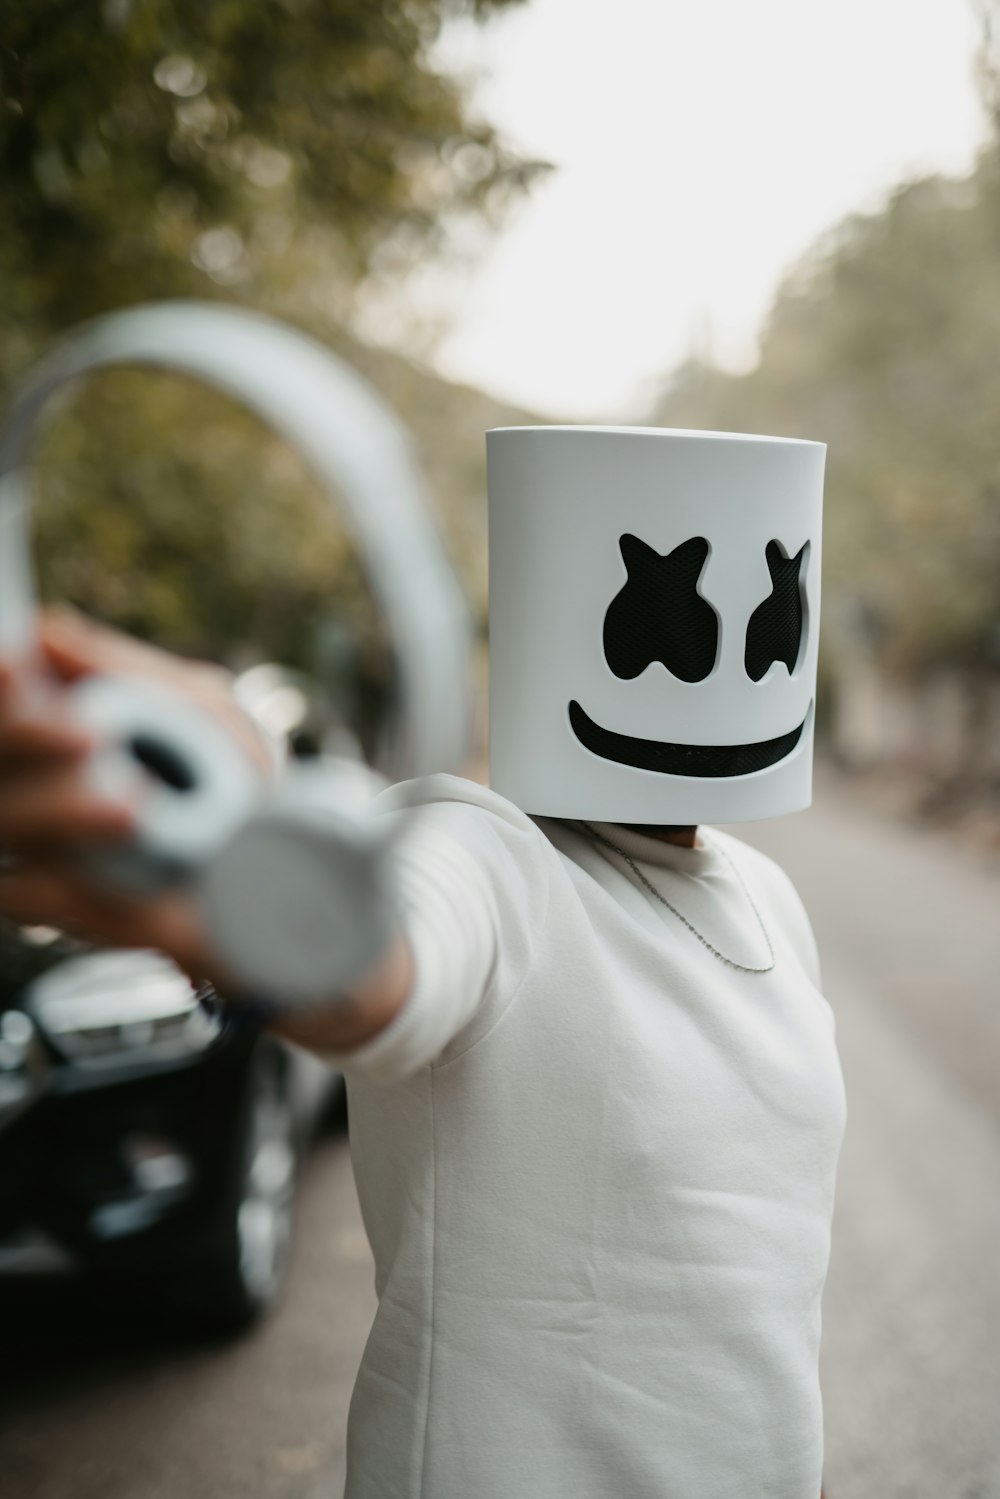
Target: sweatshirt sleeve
{"points": [[462, 880]]}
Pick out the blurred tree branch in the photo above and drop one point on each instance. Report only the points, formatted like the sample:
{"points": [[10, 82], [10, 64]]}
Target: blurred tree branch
{"points": [[277, 153], [175, 146], [885, 343], [988, 59]]}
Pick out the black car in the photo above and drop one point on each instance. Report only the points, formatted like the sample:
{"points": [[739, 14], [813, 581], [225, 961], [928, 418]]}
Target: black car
{"points": [[145, 1128]]}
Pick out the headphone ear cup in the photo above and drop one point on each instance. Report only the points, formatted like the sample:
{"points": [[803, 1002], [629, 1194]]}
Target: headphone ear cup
{"points": [[188, 782], [298, 904]]}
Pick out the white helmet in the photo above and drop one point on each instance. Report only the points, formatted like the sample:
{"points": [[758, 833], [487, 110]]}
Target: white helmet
{"points": [[654, 620]]}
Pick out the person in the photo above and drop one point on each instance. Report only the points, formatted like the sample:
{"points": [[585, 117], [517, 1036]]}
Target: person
{"points": [[595, 1112]]}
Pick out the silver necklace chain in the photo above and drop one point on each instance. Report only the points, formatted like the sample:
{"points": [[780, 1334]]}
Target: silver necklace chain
{"points": [[729, 962]]}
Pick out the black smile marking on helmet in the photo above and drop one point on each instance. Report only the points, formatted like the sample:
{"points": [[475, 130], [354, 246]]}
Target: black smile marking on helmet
{"points": [[704, 760]]}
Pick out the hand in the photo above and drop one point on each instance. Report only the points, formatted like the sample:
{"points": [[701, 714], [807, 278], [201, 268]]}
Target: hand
{"points": [[47, 811]]}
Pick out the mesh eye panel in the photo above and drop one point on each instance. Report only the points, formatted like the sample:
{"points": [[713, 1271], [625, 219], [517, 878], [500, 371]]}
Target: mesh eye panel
{"points": [[659, 615], [703, 760], [775, 629]]}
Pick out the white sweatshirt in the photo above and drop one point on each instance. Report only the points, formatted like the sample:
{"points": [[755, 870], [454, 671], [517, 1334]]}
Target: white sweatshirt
{"points": [[596, 1166]]}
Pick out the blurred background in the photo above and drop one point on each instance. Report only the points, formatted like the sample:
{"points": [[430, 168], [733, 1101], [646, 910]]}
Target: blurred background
{"points": [[782, 218]]}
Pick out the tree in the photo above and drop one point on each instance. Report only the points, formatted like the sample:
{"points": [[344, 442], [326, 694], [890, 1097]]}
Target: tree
{"points": [[885, 343], [273, 153], [164, 147]]}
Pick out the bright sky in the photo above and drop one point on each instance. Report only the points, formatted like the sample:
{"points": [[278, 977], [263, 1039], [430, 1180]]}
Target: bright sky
{"points": [[702, 146]]}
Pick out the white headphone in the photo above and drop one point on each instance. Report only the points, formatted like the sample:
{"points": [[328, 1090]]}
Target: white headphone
{"points": [[292, 880]]}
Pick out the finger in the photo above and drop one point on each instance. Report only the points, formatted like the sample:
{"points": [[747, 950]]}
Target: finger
{"points": [[53, 895], [13, 682], [39, 897], [49, 895], [56, 807], [30, 737], [34, 702], [75, 646], [6, 688], [71, 644]]}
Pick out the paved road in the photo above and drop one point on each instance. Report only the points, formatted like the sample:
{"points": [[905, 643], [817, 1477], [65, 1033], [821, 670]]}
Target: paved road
{"points": [[910, 931], [94, 1404]]}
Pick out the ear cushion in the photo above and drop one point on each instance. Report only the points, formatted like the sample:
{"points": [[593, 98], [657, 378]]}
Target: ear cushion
{"points": [[299, 903], [187, 780]]}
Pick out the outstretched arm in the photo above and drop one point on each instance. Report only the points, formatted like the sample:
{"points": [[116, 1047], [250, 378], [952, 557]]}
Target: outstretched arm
{"points": [[48, 812]]}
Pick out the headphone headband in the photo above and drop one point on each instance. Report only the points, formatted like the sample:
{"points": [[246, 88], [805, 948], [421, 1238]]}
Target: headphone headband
{"points": [[350, 439]]}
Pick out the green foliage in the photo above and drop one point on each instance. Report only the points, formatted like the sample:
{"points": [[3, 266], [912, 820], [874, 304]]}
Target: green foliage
{"points": [[270, 151], [174, 513], [886, 345], [163, 147]]}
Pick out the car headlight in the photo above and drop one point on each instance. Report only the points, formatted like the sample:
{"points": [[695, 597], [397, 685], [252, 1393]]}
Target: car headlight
{"points": [[120, 1007]]}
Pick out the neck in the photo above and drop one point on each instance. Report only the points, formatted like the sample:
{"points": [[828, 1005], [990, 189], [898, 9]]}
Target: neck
{"points": [[684, 837]]}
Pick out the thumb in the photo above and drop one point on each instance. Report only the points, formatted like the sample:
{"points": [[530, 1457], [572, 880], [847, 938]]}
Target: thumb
{"points": [[74, 646], [66, 642]]}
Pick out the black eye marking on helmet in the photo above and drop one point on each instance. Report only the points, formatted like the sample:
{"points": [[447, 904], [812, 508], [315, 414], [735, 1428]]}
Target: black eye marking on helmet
{"points": [[659, 615], [775, 629]]}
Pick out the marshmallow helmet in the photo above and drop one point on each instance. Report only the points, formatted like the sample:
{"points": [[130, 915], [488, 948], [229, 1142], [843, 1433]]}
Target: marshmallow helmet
{"points": [[654, 620]]}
